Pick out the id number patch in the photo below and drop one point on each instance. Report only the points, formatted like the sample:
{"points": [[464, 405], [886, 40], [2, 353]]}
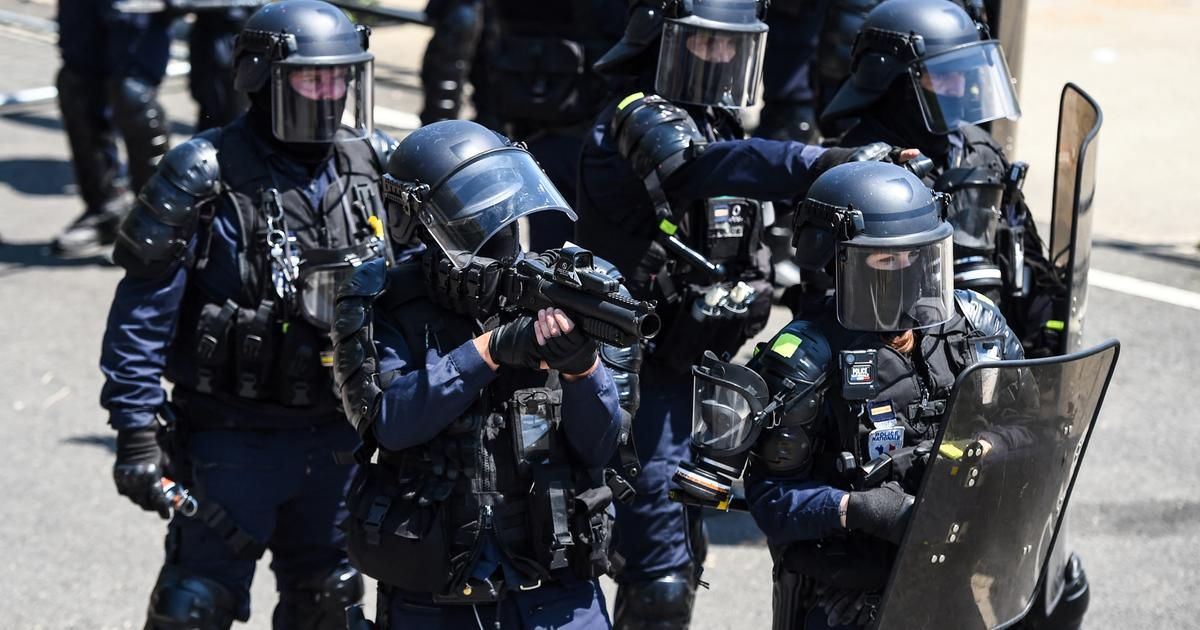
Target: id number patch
{"points": [[883, 441]]}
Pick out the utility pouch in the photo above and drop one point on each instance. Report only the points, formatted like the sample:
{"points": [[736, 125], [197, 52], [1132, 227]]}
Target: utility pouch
{"points": [[593, 527], [300, 377], [256, 350], [551, 505], [396, 541], [732, 229], [533, 414], [212, 345], [539, 79]]}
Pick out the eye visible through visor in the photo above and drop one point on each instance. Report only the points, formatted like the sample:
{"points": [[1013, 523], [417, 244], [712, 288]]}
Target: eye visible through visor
{"points": [[966, 85]]}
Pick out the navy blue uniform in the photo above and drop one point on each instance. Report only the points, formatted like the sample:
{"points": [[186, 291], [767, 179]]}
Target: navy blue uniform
{"points": [[424, 397], [617, 221], [269, 466]]}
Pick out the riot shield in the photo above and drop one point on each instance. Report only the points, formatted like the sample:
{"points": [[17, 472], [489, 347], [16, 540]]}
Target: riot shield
{"points": [[1006, 20], [990, 504], [1079, 120]]}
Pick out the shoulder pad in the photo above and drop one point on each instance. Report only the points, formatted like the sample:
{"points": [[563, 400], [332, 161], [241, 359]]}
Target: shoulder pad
{"points": [[187, 177], [655, 135], [984, 316], [368, 280], [800, 349], [404, 283], [974, 134], [384, 145]]}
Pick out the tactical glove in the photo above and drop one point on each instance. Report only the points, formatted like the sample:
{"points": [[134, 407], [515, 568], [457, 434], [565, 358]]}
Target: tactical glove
{"points": [[515, 344], [882, 512], [572, 353], [138, 470]]}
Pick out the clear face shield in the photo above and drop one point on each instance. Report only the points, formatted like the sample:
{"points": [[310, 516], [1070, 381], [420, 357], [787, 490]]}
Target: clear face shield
{"points": [[322, 272], [483, 196], [310, 103], [704, 62], [892, 289], [967, 85], [727, 405]]}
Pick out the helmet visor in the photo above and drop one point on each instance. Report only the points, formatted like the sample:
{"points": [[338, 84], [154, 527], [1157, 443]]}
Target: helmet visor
{"points": [[485, 195], [710, 66], [967, 85], [727, 400], [891, 289], [311, 103]]}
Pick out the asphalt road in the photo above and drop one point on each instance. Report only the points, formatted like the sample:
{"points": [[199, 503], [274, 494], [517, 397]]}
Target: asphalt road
{"points": [[75, 555]]}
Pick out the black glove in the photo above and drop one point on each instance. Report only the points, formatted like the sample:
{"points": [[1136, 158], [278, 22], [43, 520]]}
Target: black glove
{"points": [[847, 607], [138, 471], [572, 353], [515, 344], [881, 512]]}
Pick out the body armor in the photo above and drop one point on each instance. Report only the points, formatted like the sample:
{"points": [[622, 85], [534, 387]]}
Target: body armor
{"points": [[419, 517]]}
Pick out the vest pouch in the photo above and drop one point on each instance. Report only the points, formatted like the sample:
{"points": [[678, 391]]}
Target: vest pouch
{"points": [[539, 79], [212, 345], [732, 229], [398, 542], [256, 345], [533, 413], [551, 507], [301, 378], [593, 527]]}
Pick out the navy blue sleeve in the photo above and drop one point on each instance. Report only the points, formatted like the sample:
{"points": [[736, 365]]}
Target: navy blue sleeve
{"points": [[141, 325], [426, 393], [591, 416], [791, 510], [770, 170]]}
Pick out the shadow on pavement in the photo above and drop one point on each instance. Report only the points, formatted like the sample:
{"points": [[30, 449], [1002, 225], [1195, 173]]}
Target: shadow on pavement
{"points": [[103, 440], [1166, 253], [731, 528], [24, 255], [37, 176]]}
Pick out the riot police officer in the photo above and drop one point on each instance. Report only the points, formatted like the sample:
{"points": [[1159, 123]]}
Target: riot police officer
{"points": [[856, 384], [931, 89], [451, 58], [113, 63], [487, 504], [232, 257], [672, 194], [788, 111], [543, 91]]}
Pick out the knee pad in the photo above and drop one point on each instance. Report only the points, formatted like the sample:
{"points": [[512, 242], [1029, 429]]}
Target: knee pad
{"points": [[664, 603], [141, 120], [320, 603], [189, 602]]}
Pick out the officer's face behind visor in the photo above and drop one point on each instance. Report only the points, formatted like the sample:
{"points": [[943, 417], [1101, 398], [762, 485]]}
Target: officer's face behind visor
{"points": [[703, 64], [310, 103], [485, 195], [966, 85], [888, 289]]}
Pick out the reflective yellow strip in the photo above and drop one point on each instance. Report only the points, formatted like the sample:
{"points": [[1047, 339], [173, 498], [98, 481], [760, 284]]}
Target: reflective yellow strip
{"points": [[786, 345], [667, 227], [376, 226], [1056, 324], [285, 327], [629, 99], [951, 451], [723, 505]]}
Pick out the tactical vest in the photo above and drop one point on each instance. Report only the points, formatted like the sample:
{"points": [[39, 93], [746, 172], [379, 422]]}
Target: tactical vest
{"points": [[242, 342], [419, 516], [541, 63]]}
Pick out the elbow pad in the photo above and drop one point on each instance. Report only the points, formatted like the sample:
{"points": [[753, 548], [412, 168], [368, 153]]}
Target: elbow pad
{"points": [[153, 237], [356, 365], [656, 137], [985, 317]]}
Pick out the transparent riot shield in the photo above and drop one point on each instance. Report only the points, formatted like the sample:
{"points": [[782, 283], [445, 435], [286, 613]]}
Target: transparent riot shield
{"points": [[1079, 120], [995, 489]]}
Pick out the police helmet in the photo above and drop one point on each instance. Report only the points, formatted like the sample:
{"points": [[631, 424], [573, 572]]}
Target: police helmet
{"points": [[317, 66], [893, 247], [464, 183], [958, 74]]}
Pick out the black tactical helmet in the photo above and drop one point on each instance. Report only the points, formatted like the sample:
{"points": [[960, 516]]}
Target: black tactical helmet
{"points": [[315, 58], [464, 183], [710, 54], [929, 40], [894, 264]]}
